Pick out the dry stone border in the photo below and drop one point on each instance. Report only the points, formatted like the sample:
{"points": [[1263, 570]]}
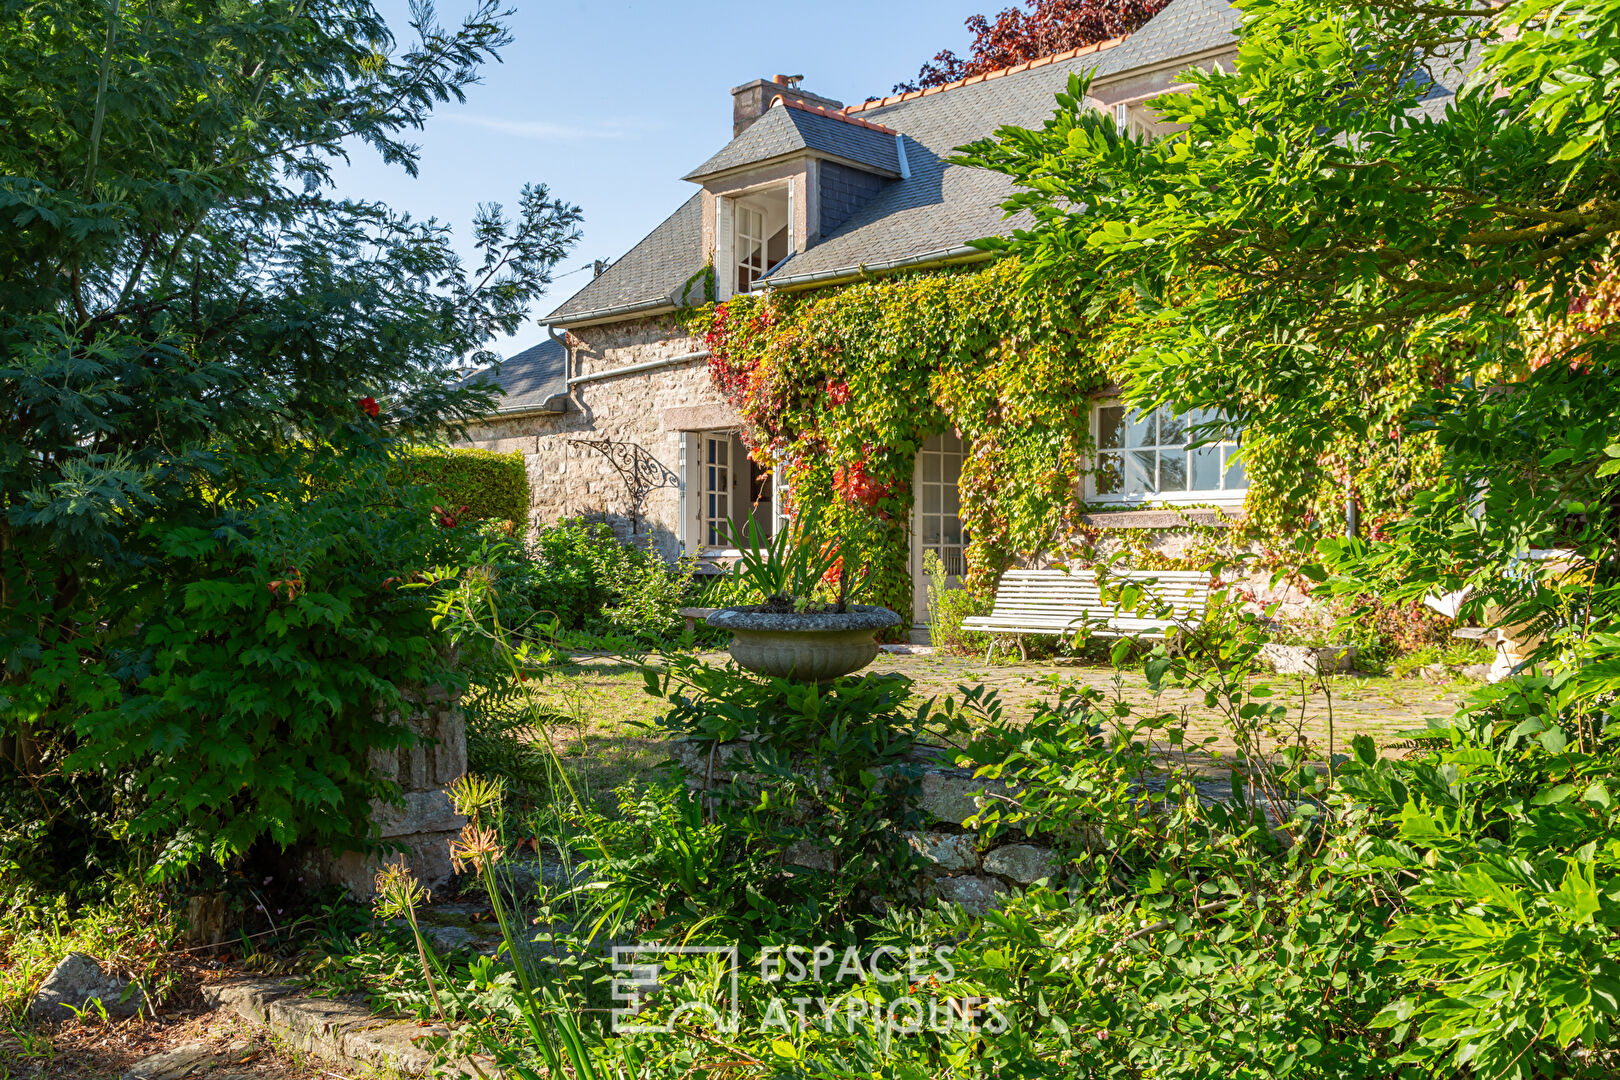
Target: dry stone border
{"points": [[344, 1032], [956, 867], [183, 1061]]}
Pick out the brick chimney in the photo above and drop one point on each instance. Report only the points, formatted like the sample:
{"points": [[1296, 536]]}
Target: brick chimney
{"points": [[751, 99]]}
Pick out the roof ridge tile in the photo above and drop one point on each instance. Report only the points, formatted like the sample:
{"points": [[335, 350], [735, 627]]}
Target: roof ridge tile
{"points": [[983, 76], [831, 114]]}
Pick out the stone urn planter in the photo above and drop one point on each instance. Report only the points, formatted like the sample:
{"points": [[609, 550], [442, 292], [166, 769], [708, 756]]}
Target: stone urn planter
{"points": [[805, 647], [1309, 659]]}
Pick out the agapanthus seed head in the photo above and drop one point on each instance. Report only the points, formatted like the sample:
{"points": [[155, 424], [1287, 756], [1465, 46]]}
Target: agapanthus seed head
{"points": [[397, 889], [471, 795], [475, 848]]}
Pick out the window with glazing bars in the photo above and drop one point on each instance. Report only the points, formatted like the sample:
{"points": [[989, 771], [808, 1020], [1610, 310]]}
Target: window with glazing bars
{"points": [[1146, 455]]}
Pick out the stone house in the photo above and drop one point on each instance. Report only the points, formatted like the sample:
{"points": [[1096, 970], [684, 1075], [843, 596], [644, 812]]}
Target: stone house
{"points": [[810, 193]]}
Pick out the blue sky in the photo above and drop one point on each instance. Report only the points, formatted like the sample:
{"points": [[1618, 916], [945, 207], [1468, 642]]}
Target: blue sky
{"points": [[610, 103]]}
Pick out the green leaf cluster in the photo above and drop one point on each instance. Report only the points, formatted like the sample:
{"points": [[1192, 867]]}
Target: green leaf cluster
{"points": [[207, 362]]}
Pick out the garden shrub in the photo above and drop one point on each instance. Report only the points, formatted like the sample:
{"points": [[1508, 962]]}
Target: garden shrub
{"points": [[649, 591], [1455, 655], [814, 750], [947, 607], [582, 577], [1384, 631], [488, 484], [283, 652]]}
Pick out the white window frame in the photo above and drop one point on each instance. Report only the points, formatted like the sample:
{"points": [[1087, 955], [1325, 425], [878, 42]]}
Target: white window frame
{"points": [[1223, 496], [715, 487], [699, 477], [931, 474], [746, 213]]}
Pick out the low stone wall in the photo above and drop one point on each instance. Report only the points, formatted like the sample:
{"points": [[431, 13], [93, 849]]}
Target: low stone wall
{"points": [[424, 823], [343, 1031], [957, 863]]}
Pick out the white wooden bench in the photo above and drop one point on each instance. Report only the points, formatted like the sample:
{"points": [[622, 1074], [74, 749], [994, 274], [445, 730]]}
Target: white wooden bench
{"points": [[1057, 603], [693, 614]]}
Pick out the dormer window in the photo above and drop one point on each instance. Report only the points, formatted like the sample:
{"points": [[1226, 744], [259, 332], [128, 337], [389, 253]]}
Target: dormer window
{"points": [[760, 231], [751, 264]]}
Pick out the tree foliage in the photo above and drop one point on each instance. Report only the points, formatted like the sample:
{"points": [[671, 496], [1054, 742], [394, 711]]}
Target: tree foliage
{"points": [[194, 333], [1040, 28], [1377, 192]]}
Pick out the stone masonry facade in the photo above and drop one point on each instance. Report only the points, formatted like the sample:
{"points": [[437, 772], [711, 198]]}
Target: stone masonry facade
{"points": [[649, 409]]}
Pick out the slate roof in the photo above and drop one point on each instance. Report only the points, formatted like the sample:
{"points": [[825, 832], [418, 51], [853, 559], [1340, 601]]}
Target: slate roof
{"points": [[940, 207], [529, 379], [944, 206], [787, 129], [657, 269]]}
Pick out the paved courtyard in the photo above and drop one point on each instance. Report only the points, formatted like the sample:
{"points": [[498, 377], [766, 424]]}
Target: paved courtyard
{"points": [[1381, 707]]}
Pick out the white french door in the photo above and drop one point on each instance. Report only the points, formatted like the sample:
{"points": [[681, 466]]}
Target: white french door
{"points": [[937, 518], [716, 489]]}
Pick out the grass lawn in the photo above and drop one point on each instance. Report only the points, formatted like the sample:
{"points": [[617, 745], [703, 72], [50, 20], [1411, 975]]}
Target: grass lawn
{"points": [[604, 714]]}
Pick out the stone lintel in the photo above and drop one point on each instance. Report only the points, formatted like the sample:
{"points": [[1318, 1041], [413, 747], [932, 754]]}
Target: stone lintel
{"points": [[701, 418]]}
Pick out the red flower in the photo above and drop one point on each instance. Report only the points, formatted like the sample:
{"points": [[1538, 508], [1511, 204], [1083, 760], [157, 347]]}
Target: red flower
{"points": [[291, 585], [368, 405]]}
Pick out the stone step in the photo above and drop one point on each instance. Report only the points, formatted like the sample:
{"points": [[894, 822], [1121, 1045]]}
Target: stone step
{"points": [[344, 1032]]}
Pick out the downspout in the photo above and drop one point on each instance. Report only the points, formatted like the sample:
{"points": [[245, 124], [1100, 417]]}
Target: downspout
{"points": [[559, 402], [568, 355]]}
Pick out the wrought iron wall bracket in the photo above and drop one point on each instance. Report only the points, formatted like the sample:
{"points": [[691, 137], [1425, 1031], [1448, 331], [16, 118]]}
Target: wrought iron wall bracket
{"points": [[641, 472]]}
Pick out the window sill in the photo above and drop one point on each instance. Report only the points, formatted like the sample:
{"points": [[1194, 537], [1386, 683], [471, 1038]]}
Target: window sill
{"points": [[1222, 499], [1163, 516]]}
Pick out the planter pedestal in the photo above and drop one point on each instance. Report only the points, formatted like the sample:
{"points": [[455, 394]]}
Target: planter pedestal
{"points": [[804, 648]]}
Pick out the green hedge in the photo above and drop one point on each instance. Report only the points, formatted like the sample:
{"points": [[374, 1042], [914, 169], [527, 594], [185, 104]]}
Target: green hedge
{"points": [[490, 485]]}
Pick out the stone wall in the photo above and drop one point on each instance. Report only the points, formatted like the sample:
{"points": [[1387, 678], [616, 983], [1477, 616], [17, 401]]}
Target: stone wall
{"points": [[424, 823], [955, 862], [647, 409]]}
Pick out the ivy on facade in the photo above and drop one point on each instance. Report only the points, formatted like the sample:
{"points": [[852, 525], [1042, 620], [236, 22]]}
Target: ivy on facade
{"points": [[841, 387]]}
